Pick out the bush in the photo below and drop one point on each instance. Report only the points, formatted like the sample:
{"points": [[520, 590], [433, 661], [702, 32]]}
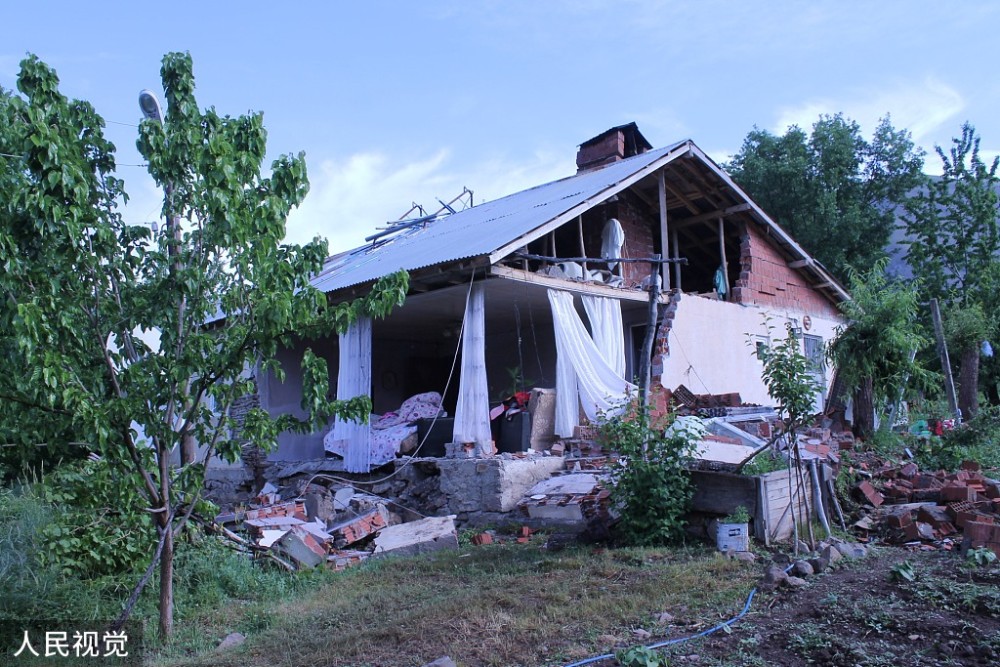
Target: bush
{"points": [[976, 440], [652, 484], [101, 527]]}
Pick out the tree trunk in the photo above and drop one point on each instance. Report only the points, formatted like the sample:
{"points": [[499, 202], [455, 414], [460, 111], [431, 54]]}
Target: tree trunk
{"points": [[167, 585], [968, 382], [864, 409]]}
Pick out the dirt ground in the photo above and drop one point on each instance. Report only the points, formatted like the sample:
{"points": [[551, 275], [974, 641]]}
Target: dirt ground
{"points": [[865, 614]]}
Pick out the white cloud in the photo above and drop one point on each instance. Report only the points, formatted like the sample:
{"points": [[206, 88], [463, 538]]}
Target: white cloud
{"points": [[350, 197], [923, 108]]}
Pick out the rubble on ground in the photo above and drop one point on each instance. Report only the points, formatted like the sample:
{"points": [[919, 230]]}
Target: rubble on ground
{"points": [[930, 510], [337, 527]]}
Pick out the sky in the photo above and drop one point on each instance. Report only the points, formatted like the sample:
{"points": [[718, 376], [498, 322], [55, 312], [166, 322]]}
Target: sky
{"points": [[398, 102]]}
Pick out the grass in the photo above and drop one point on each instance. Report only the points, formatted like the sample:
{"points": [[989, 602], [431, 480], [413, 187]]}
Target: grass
{"points": [[501, 605]]}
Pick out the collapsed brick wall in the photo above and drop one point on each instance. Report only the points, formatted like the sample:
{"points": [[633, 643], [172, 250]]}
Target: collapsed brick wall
{"points": [[766, 280]]}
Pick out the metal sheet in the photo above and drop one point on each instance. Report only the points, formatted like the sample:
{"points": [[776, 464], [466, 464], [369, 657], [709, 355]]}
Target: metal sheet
{"points": [[477, 231]]}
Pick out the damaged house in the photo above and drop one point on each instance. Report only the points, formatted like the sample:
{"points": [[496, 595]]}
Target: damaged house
{"points": [[545, 292]]}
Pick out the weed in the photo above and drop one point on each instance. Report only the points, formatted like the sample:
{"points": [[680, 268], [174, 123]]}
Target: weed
{"points": [[640, 656], [980, 557], [903, 571]]}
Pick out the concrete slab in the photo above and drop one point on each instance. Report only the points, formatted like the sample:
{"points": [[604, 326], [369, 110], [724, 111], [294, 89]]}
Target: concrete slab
{"points": [[416, 537]]}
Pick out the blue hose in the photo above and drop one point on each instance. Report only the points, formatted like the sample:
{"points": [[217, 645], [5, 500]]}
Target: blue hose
{"points": [[680, 640]]}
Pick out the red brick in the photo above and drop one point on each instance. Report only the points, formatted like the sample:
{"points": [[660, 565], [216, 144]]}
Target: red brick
{"points": [[927, 482], [482, 538], [934, 515], [358, 528], [980, 532], [870, 493], [954, 493], [901, 520]]}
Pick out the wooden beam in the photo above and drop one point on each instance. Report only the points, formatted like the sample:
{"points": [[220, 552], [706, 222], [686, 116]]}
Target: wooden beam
{"points": [[801, 263], [622, 294], [712, 215], [590, 202], [690, 205], [583, 245]]}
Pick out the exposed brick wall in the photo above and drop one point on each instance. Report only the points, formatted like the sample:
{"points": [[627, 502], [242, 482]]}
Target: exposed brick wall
{"points": [[639, 234], [766, 280], [661, 345], [241, 406]]}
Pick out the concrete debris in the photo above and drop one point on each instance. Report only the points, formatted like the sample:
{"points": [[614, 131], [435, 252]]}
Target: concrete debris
{"points": [[416, 537], [573, 499], [301, 547]]}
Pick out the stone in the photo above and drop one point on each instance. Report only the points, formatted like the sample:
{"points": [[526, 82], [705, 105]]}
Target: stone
{"points": [[664, 617], [774, 576], [794, 582], [232, 640], [416, 537], [444, 661], [802, 547], [640, 634], [831, 554], [819, 564], [802, 568], [745, 556], [852, 550]]}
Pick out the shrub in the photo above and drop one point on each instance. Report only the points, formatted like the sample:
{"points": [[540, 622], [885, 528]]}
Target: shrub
{"points": [[976, 440], [652, 484]]}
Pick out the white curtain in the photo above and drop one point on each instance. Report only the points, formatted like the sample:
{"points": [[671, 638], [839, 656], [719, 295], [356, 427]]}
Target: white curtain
{"points": [[472, 414], [606, 326], [612, 240], [354, 378], [583, 377]]}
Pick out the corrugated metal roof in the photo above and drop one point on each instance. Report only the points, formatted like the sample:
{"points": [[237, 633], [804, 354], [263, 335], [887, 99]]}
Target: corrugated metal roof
{"points": [[480, 230]]}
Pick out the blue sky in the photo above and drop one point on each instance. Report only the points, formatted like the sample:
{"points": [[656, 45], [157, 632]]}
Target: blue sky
{"points": [[395, 102]]}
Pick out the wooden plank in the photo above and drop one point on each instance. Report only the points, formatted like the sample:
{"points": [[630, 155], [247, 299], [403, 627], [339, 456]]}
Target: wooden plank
{"points": [[520, 275]]}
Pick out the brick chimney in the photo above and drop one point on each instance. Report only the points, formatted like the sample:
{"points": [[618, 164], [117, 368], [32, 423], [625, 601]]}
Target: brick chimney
{"points": [[610, 146]]}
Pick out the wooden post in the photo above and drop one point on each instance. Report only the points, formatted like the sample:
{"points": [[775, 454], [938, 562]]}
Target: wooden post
{"points": [[583, 246], [647, 343], [677, 264], [722, 255], [664, 236], [949, 381]]}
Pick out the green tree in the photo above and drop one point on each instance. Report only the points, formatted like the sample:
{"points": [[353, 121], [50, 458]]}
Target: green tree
{"points": [[78, 284], [953, 241], [874, 352], [833, 190]]}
